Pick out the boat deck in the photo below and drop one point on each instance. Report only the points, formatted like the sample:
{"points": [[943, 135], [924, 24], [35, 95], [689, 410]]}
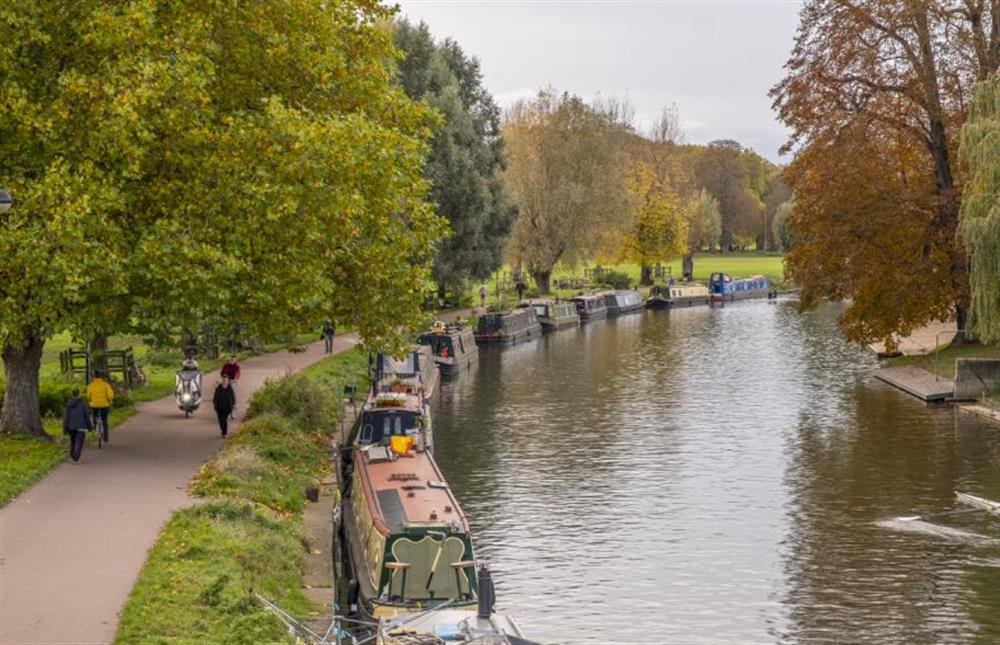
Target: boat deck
{"points": [[918, 382], [408, 490]]}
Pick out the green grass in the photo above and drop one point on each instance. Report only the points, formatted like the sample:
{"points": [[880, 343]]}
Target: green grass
{"points": [[197, 585], [944, 363], [199, 581], [737, 265], [25, 460]]}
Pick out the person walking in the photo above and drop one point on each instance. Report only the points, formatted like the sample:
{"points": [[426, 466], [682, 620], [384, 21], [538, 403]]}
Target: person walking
{"points": [[224, 401], [76, 423], [232, 370], [99, 397], [520, 287], [329, 331], [482, 295]]}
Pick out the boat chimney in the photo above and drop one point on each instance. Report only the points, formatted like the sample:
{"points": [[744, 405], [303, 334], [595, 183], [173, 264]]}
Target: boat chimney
{"points": [[487, 594]]}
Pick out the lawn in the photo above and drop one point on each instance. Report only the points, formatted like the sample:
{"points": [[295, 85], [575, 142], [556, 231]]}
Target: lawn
{"points": [[944, 363]]}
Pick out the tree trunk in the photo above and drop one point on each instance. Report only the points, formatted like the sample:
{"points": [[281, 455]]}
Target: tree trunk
{"points": [[725, 241], [687, 267], [442, 293], [542, 280], [98, 354], [20, 403], [646, 278]]}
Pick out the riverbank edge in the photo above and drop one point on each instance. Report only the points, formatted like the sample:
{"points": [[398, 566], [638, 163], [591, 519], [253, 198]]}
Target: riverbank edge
{"points": [[248, 536]]}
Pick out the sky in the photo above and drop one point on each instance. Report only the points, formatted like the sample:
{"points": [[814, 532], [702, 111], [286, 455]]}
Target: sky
{"points": [[714, 60]]}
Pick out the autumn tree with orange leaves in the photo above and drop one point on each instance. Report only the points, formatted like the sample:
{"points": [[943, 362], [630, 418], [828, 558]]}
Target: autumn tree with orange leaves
{"points": [[875, 95]]}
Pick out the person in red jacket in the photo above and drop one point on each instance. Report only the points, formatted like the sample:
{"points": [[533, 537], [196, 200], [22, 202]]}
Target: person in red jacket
{"points": [[231, 370]]}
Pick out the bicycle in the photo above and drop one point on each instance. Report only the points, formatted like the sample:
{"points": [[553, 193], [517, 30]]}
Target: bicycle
{"points": [[102, 430]]}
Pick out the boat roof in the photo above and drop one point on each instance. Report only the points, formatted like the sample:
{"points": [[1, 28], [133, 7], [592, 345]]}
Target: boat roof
{"points": [[589, 296], [382, 401], [406, 490]]}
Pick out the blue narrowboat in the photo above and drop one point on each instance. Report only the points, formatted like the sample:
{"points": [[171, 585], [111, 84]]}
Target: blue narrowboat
{"points": [[722, 288]]}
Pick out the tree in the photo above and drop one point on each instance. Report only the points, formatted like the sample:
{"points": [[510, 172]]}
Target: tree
{"points": [[174, 174], [781, 230], [980, 150], [703, 221], [467, 158], [897, 73], [736, 178], [565, 170], [658, 231]]}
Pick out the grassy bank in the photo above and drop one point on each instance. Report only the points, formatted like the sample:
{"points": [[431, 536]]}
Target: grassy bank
{"points": [[199, 581], [944, 363], [25, 460]]}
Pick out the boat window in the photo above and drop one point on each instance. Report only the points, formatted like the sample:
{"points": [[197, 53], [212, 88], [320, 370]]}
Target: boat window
{"points": [[461, 344]]}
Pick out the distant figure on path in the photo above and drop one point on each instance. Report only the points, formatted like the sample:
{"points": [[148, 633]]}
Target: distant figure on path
{"points": [[520, 289], [224, 401], [99, 398], [232, 370], [329, 331], [482, 295], [76, 423]]}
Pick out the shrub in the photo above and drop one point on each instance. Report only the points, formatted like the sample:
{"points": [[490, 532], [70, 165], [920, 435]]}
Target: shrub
{"points": [[304, 402], [617, 279]]}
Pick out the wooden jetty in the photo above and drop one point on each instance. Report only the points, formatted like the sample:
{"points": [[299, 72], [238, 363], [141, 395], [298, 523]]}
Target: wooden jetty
{"points": [[918, 382]]}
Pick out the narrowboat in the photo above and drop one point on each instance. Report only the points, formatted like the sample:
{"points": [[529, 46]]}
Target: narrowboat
{"points": [[723, 288], [453, 346], [388, 414], [667, 296], [409, 548], [590, 306], [622, 302], [508, 327], [414, 372], [554, 315]]}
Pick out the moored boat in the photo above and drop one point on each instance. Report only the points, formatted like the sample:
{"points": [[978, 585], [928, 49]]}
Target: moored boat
{"points": [[408, 541], [667, 296], [508, 327], [723, 288], [414, 372], [554, 315], [622, 302], [590, 306], [453, 346]]}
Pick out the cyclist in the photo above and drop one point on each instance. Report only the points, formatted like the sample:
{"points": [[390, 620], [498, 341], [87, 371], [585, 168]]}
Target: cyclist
{"points": [[99, 398]]}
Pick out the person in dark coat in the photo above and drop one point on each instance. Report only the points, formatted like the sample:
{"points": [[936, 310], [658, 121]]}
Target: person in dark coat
{"points": [[224, 400], [76, 423], [329, 331]]}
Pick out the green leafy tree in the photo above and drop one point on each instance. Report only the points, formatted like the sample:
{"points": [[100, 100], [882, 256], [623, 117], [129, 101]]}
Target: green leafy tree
{"points": [[780, 227], [200, 165], [566, 172], [737, 178], [659, 231], [466, 161], [980, 215], [704, 221]]}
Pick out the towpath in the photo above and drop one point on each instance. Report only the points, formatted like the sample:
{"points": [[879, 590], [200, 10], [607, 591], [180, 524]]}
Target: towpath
{"points": [[72, 546], [922, 341]]}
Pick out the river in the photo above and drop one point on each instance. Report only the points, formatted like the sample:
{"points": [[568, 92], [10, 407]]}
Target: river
{"points": [[720, 475]]}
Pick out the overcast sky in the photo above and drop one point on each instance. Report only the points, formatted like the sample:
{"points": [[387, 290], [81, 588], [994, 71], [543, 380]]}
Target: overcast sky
{"points": [[715, 60]]}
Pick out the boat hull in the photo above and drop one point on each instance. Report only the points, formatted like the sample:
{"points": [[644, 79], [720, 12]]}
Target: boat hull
{"points": [[553, 324], [676, 303]]}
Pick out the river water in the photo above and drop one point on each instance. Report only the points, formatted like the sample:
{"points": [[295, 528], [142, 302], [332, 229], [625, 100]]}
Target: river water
{"points": [[720, 475]]}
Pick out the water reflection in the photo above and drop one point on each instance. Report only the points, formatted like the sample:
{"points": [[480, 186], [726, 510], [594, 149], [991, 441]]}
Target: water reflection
{"points": [[717, 475]]}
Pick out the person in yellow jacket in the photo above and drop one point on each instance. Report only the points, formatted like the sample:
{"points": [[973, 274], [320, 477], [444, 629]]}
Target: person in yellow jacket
{"points": [[99, 398]]}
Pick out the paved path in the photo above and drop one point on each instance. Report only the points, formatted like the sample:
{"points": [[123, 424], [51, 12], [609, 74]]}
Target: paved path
{"points": [[922, 341], [72, 546]]}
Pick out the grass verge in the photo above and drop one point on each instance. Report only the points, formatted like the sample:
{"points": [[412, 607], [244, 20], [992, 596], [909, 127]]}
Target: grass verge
{"points": [[943, 364], [199, 582]]}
